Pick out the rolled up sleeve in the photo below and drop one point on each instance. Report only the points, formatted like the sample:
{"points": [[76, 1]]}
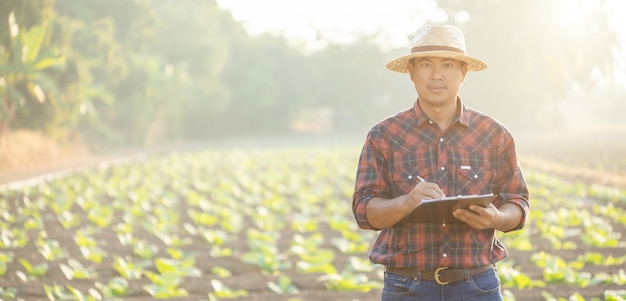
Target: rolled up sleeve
{"points": [[370, 180], [513, 187]]}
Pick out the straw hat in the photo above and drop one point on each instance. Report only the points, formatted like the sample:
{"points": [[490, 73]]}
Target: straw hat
{"points": [[444, 41]]}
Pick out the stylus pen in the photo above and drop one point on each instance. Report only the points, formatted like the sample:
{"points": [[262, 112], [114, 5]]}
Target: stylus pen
{"points": [[421, 179]]}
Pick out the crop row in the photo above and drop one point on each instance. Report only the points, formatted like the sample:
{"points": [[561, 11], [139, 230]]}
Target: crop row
{"points": [[151, 227]]}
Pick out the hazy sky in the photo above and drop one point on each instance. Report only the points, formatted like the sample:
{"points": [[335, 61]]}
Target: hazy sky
{"points": [[338, 20], [310, 23]]}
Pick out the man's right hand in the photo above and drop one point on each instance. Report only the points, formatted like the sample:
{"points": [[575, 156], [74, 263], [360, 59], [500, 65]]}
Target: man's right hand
{"points": [[425, 191], [382, 213]]}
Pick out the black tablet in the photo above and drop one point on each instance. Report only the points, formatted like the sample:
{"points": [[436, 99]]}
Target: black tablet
{"points": [[440, 210]]}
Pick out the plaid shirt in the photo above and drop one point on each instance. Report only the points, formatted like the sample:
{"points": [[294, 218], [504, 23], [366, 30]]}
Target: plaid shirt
{"points": [[475, 155]]}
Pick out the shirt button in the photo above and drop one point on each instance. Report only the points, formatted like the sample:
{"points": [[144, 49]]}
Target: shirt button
{"points": [[443, 168], [410, 177], [445, 255], [430, 121], [441, 139], [475, 176]]}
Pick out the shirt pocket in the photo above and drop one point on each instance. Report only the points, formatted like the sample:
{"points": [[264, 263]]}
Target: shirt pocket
{"points": [[407, 166], [473, 180], [473, 173], [404, 180]]}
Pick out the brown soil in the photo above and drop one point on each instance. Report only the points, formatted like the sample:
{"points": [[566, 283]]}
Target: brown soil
{"points": [[249, 277]]}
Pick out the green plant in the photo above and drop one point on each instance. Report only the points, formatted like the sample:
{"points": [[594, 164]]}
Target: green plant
{"points": [[615, 295], [116, 287], [349, 282], [75, 270], [222, 291], [220, 272], [184, 267], [129, 270], [68, 219], [94, 254], [51, 249], [58, 292], [512, 277], [164, 285], [268, 262], [214, 237], [38, 270], [5, 257], [283, 286], [8, 293], [144, 249]]}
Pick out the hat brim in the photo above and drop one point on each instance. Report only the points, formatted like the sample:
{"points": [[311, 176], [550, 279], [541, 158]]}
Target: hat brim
{"points": [[400, 64]]}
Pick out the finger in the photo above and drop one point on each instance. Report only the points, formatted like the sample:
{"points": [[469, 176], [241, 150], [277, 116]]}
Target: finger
{"points": [[431, 189], [424, 193], [433, 193], [477, 209]]}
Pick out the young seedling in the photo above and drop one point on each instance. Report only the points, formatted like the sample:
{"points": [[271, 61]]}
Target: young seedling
{"points": [[349, 282], [129, 270], [220, 272], [50, 249], [283, 286], [116, 287], [223, 291], [144, 249], [5, 257], [164, 285], [37, 271], [75, 270]]}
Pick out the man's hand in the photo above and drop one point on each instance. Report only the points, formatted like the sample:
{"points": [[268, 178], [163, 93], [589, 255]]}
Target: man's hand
{"points": [[424, 191], [479, 217], [507, 217], [383, 213]]}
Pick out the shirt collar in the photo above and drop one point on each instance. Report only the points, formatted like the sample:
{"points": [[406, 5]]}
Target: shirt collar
{"points": [[421, 118]]}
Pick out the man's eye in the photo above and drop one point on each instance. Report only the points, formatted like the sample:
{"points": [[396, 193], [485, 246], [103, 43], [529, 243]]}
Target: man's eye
{"points": [[425, 65]]}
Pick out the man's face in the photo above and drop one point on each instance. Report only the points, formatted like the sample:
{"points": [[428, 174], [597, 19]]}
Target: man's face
{"points": [[437, 80]]}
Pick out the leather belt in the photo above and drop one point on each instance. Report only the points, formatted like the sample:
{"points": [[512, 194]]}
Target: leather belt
{"points": [[442, 275]]}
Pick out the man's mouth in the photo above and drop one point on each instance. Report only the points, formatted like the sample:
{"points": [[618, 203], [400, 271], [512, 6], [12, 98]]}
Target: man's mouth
{"points": [[436, 87]]}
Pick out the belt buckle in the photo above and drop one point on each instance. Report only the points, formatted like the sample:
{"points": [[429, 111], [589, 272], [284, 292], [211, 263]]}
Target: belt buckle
{"points": [[437, 276]]}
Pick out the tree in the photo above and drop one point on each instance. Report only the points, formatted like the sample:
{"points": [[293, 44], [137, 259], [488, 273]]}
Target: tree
{"points": [[23, 59], [192, 41], [353, 80]]}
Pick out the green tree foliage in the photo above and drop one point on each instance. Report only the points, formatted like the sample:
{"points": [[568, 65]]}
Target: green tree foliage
{"points": [[136, 72], [353, 80], [267, 82], [108, 69], [26, 90], [192, 42]]}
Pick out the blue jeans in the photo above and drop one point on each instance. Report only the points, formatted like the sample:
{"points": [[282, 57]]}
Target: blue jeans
{"points": [[481, 287]]}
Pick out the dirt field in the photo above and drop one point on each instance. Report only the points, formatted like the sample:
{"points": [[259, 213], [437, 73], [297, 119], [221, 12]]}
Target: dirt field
{"points": [[249, 277]]}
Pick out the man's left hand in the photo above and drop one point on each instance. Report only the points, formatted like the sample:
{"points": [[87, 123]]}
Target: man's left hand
{"points": [[479, 217]]}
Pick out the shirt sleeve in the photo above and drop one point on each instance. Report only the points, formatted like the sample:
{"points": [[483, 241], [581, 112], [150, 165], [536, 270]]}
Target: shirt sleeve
{"points": [[513, 187], [371, 179]]}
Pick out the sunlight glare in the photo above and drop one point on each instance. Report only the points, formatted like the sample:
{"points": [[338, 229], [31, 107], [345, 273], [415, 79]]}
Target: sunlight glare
{"points": [[572, 14]]}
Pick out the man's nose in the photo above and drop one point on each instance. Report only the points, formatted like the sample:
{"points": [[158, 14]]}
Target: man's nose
{"points": [[436, 73]]}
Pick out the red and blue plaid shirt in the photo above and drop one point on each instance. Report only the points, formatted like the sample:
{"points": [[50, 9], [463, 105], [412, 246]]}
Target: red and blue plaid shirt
{"points": [[475, 155]]}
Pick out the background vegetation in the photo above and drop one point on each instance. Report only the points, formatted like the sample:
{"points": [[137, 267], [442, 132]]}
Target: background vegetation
{"points": [[140, 72], [112, 75]]}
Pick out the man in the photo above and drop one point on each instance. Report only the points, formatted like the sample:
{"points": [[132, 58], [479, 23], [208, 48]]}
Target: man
{"points": [[436, 148]]}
